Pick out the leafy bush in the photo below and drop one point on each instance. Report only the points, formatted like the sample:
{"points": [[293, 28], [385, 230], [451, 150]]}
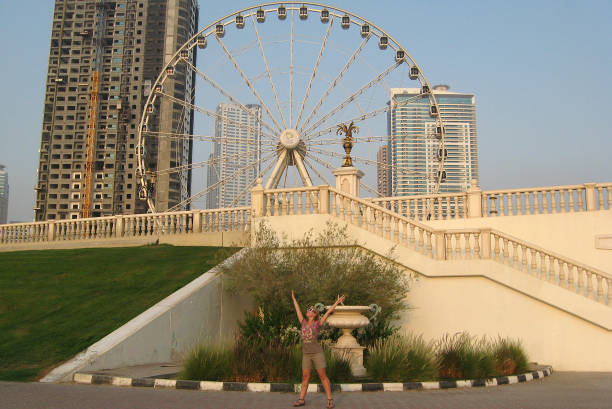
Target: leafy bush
{"points": [[317, 268], [402, 359], [510, 357], [462, 356]]}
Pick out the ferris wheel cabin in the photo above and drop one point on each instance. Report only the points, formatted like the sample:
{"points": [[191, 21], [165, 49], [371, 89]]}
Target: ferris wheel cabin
{"points": [[383, 42], [345, 22], [324, 16], [303, 13], [282, 12], [260, 15], [220, 30], [201, 41], [240, 21]]}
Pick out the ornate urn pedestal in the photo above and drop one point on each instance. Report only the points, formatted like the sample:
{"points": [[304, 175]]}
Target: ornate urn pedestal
{"points": [[348, 318]]}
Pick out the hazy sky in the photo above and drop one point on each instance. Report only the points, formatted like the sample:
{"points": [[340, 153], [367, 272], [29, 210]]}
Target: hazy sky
{"points": [[541, 72]]}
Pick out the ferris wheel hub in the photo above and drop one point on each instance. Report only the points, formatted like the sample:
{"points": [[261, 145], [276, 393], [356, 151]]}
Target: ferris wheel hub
{"points": [[290, 138]]}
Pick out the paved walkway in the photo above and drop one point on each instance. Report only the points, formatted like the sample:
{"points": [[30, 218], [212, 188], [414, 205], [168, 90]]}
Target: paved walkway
{"points": [[571, 390]]}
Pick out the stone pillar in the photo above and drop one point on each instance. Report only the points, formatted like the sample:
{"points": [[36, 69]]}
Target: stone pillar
{"points": [[590, 196], [118, 226], [257, 200], [323, 199], [474, 200], [440, 245], [486, 243], [197, 222], [347, 180], [51, 231]]}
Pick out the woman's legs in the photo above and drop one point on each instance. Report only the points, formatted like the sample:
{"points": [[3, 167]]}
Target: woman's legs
{"points": [[325, 382], [305, 379]]}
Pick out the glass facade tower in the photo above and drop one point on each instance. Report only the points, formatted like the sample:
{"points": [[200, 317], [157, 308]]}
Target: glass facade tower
{"points": [[414, 149], [235, 150]]}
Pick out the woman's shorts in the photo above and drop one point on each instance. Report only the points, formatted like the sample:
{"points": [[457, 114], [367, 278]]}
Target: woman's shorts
{"points": [[309, 360]]}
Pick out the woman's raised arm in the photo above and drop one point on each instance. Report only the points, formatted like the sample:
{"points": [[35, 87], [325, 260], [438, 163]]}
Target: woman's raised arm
{"points": [[331, 309], [297, 307]]}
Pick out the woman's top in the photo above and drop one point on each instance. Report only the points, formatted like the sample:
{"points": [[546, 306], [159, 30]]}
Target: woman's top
{"points": [[310, 345]]}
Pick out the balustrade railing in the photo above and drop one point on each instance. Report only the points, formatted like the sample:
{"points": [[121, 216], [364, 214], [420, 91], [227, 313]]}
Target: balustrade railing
{"points": [[426, 207], [546, 200], [128, 226], [464, 244], [283, 202]]}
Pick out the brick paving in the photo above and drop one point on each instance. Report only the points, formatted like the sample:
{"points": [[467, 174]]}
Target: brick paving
{"points": [[571, 390]]}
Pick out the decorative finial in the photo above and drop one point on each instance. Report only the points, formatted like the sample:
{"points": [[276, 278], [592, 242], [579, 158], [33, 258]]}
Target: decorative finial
{"points": [[347, 142]]}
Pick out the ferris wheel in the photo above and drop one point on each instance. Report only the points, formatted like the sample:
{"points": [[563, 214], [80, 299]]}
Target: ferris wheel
{"points": [[277, 86]]}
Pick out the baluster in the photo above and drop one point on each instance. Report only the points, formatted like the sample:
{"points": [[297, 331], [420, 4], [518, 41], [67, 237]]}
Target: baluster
{"points": [[571, 282], [544, 271], [468, 245], [429, 244], [589, 290], [534, 263], [515, 254], [412, 241], [536, 202], [545, 202], [449, 247], [572, 202], [581, 192], [485, 205], [553, 201], [562, 200], [600, 198], [299, 203], [477, 253], [562, 276], [609, 280], [496, 249], [580, 284], [502, 206], [405, 239], [506, 252], [599, 282]]}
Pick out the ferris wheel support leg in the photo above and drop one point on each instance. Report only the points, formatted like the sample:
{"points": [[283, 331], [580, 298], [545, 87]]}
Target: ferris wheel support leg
{"points": [[277, 172], [302, 169]]}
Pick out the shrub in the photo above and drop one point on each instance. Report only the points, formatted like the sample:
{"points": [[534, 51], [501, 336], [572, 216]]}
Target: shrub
{"points": [[510, 357], [212, 362], [402, 359], [464, 357], [317, 268]]}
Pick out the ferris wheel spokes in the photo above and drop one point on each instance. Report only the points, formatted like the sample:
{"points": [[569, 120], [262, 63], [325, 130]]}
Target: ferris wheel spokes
{"points": [[229, 96], [263, 55], [248, 82], [352, 97], [333, 84], [314, 73]]}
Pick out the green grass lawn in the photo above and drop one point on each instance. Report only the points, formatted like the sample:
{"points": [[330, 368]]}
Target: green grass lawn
{"points": [[55, 303]]}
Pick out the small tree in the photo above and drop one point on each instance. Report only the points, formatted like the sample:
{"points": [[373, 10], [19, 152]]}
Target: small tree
{"points": [[318, 268]]}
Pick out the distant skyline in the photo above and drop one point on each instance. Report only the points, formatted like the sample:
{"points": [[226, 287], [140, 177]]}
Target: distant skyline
{"points": [[540, 72]]}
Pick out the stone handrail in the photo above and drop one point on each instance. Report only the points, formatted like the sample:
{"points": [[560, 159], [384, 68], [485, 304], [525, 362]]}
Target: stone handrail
{"points": [[128, 226], [426, 207], [545, 200], [549, 266], [386, 223]]}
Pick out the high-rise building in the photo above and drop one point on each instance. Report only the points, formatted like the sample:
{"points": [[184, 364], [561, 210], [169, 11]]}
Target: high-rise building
{"points": [[414, 151], [235, 155], [383, 171], [4, 195], [122, 45]]}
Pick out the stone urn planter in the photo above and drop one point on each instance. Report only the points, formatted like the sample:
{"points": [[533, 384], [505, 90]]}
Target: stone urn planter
{"points": [[348, 318]]}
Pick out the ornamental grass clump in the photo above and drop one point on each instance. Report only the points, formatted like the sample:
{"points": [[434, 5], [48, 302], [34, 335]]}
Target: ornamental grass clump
{"points": [[212, 362], [510, 356], [402, 359], [463, 356]]}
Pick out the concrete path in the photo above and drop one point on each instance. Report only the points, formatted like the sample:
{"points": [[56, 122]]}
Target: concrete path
{"points": [[571, 390]]}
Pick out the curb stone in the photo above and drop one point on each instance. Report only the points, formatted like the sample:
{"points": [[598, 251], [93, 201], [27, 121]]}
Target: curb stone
{"points": [[93, 379]]}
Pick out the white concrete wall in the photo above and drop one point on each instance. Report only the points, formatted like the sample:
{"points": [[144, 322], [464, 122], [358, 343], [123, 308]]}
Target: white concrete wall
{"points": [[483, 297], [570, 234], [200, 311]]}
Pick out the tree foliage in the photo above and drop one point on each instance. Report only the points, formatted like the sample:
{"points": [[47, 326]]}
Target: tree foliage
{"points": [[318, 267]]}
